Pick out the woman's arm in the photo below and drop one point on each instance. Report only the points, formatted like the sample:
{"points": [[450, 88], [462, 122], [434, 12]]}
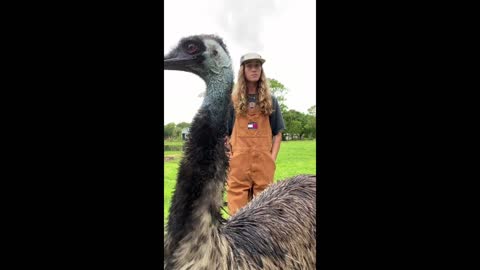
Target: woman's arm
{"points": [[228, 147], [277, 139]]}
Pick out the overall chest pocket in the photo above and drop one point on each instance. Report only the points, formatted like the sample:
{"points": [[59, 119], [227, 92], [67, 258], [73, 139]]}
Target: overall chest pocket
{"points": [[254, 127]]}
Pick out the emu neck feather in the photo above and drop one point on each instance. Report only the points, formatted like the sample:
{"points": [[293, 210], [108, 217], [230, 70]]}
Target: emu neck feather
{"points": [[195, 210]]}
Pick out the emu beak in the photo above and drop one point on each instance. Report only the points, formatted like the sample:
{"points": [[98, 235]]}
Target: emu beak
{"points": [[177, 61]]}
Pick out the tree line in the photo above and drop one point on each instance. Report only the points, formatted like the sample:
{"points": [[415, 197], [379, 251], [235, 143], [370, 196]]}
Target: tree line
{"points": [[299, 125], [173, 131]]}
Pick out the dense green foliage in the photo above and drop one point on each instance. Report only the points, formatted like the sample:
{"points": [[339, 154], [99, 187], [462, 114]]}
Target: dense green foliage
{"points": [[173, 131], [298, 125]]}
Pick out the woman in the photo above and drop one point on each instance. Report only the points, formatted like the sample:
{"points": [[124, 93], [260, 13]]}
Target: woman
{"points": [[255, 134]]}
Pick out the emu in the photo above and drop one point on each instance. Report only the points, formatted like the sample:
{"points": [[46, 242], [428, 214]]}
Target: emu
{"points": [[276, 230]]}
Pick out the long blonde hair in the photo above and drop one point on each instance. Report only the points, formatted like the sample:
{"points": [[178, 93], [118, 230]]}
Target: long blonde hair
{"points": [[239, 94]]}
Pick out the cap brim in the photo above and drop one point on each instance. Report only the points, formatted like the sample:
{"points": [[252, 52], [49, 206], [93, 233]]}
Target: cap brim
{"points": [[253, 59]]}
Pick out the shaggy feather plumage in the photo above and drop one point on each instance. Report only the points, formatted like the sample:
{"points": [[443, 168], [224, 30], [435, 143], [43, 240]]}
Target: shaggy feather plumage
{"points": [[277, 230]]}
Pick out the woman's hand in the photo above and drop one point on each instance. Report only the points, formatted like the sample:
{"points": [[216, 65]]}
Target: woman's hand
{"points": [[228, 148]]}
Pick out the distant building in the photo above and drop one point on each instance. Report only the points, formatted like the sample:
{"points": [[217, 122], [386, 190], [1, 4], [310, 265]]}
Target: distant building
{"points": [[185, 133]]}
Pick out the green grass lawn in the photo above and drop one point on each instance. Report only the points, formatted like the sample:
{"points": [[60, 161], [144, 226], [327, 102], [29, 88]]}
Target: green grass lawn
{"points": [[295, 157], [168, 142], [175, 154]]}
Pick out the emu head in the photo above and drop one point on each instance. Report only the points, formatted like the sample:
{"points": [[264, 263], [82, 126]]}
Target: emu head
{"points": [[203, 55]]}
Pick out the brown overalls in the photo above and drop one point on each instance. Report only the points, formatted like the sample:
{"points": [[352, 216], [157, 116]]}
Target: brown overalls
{"points": [[252, 165]]}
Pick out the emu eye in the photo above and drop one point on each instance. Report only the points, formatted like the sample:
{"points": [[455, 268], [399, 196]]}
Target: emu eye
{"points": [[192, 48]]}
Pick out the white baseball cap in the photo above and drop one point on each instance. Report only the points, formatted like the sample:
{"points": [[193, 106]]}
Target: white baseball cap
{"points": [[251, 56]]}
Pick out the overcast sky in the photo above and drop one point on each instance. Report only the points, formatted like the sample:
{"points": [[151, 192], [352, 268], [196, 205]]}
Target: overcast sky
{"points": [[282, 31]]}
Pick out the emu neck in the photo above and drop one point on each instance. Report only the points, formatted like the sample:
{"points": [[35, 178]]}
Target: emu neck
{"points": [[217, 96], [198, 197]]}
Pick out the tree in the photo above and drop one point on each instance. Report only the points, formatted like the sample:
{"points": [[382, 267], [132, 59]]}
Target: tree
{"points": [[279, 91], [311, 122], [300, 125], [295, 122], [313, 111], [295, 127], [183, 125], [168, 130], [310, 127], [177, 133]]}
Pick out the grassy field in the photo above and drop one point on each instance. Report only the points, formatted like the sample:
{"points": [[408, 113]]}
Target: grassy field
{"points": [[295, 157], [168, 142]]}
